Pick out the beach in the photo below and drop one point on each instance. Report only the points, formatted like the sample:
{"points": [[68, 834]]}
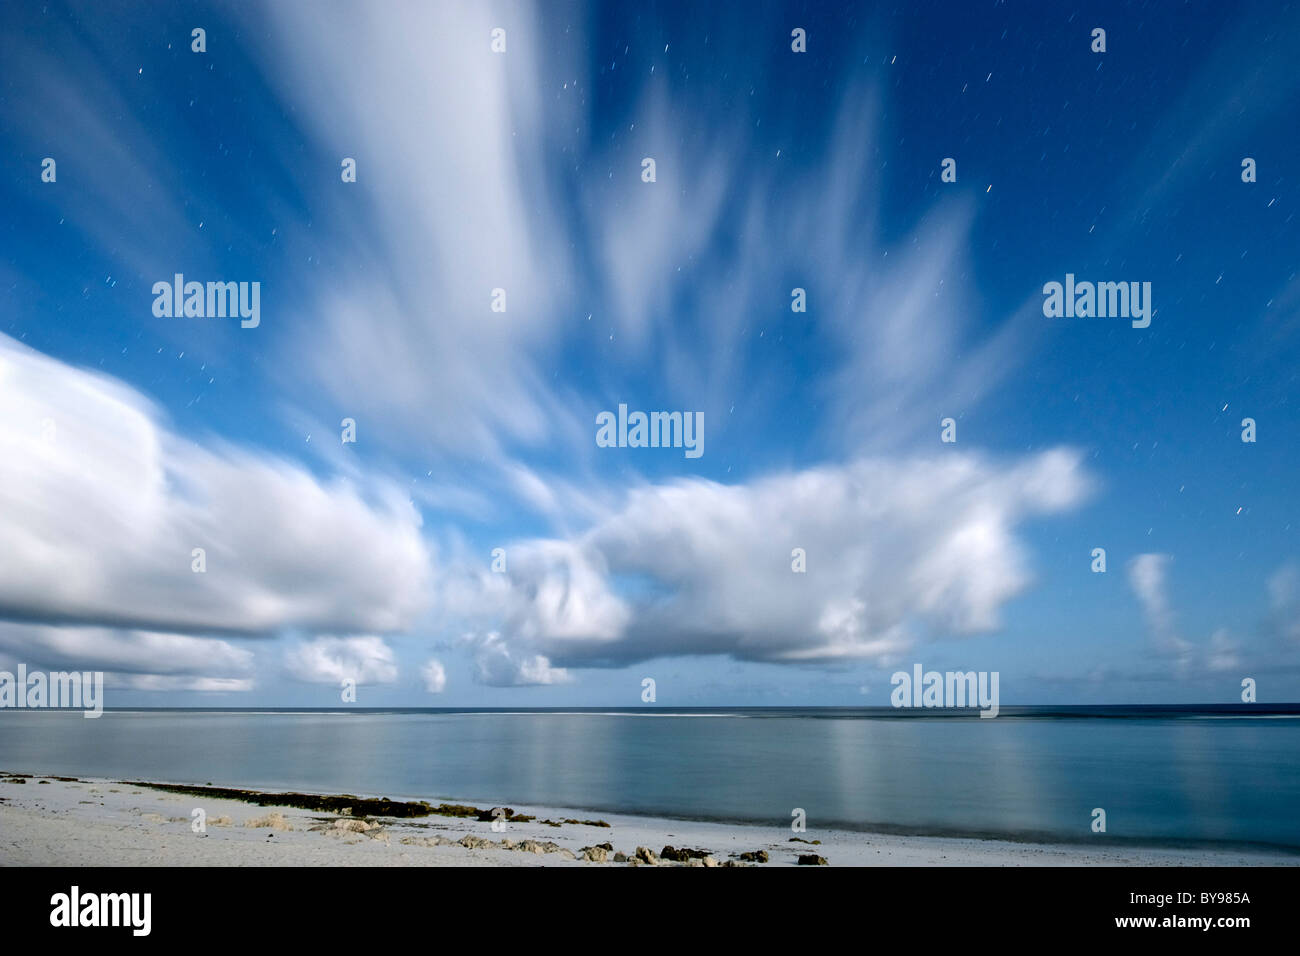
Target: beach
{"points": [[48, 821]]}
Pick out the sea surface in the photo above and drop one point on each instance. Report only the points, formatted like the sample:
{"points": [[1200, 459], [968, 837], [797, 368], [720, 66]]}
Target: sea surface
{"points": [[1162, 775]]}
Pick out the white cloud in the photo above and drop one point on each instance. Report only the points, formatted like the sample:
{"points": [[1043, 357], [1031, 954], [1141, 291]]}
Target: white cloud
{"points": [[434, 676], [431, 231], [140, 660], [402, 334], [167, 682], [896, 551], [692, 263], [1148, 576], [649, 231], [101, 506], [331, 660], [451, 202], [497, 664], [1222, 654]]}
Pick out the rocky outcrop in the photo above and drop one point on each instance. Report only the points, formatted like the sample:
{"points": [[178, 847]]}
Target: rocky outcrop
{"points": [[272, 821], [428, 841], [471, 842], [684, 855], [354, 825]]}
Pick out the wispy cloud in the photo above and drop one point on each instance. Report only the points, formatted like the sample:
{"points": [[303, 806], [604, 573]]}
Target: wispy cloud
{"points": [[332, 660], [1148, 576]]}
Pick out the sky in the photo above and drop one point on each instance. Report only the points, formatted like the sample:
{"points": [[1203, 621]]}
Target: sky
{"points": [[504, 269]]}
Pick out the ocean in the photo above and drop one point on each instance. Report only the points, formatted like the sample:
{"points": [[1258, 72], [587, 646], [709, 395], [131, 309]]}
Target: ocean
{"points": [[1162, 775]]}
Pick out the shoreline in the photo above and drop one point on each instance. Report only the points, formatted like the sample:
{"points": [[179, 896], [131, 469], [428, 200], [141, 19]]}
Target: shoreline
{"points": [[64, 821]]}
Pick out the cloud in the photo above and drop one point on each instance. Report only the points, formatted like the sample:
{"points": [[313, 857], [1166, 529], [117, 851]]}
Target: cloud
{"points": [[1222, 654], [101, 507], [142, 660], [434, 676], [1148, 576], [497, 664], [896, 551], [649, 231], [1220, 103], [451, 202], [690, 264], [1284, 602], [163, 682], [332, 660], [696, 264]]}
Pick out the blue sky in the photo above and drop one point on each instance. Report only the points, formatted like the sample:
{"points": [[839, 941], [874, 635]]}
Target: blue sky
{"points": [[134, 438]]}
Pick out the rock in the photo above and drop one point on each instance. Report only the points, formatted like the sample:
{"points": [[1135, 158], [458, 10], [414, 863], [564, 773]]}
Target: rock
{"points": [[755, 856], [710, 861], [428, 841], [531, 846], [275, 821], [595, 854], [469, 841], [646, 855], [353, 825], [812, 859], [344, 827], [684, 855], [620, 857]]}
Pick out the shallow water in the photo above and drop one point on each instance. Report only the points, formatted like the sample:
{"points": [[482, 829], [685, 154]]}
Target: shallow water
{"points": [[1165, 777]]}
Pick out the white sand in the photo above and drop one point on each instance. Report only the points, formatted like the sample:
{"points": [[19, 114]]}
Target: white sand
{"points": [[105, 823]]}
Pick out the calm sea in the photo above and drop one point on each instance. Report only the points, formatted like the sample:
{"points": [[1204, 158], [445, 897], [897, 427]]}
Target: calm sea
{"points": [[1161, 774]]}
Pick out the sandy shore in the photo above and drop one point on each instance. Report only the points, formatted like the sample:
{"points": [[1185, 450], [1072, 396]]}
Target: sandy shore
{"points": [[60, 822]]}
